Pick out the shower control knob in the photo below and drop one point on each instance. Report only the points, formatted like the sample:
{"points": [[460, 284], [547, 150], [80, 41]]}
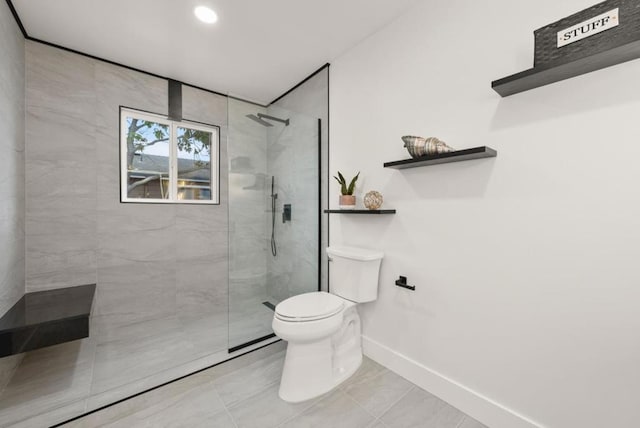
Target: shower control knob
{"points": [[286, 213]]}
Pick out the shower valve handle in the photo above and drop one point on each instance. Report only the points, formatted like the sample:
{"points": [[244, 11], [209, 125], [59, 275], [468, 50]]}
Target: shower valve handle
{"points": [[286, 213]]}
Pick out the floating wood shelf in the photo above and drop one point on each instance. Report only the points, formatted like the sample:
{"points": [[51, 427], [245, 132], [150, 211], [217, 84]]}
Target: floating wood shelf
{"points": [[457, 156], [46, 318], [550, 73], [360, 211]]}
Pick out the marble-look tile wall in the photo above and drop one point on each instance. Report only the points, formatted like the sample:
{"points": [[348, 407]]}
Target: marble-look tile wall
{"points": [[248, 187], [161, 270], [293, 159], [11, 172], [61, 239]]}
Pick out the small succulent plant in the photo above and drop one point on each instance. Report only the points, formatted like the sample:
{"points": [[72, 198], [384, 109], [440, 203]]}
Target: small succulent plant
{"points": [[344, 189]]}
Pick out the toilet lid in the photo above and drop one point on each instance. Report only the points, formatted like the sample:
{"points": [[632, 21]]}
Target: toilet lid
{"points": [[309, 306]]}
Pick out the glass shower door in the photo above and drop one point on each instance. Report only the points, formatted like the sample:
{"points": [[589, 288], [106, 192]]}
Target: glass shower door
{"points": [[274, 177]]}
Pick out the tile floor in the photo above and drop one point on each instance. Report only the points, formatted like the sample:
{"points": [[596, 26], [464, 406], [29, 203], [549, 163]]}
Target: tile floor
{"points": [[243, 393], [55, 383], [90, 370]]}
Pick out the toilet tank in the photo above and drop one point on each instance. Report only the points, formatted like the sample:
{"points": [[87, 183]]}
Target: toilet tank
{"points": [[353, 273]]}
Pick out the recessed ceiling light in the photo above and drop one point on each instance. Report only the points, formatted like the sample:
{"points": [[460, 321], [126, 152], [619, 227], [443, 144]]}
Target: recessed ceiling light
{"points": [[205, 14]]}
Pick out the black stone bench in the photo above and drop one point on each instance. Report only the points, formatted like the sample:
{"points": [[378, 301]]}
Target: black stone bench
{"points": [[46, 318]]}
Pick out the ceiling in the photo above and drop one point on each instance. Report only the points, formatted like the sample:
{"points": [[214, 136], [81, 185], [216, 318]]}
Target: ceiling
{"points": [[257, 50]]}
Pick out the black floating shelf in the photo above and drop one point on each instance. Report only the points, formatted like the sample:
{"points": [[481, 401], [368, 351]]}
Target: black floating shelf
{"points": [[457, 156], [360, 211], [540, 76], [46, 318]]}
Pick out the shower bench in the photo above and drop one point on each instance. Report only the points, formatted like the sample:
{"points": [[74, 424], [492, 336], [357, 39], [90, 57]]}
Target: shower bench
{"points": [[46, 318]]}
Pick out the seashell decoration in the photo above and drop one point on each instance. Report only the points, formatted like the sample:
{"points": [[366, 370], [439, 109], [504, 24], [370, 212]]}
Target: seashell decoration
{"points": [[373, 200], [419, 146]]}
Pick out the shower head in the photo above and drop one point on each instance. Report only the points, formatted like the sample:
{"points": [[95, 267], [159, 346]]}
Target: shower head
{"points": [[259, 120], [277, 119]]}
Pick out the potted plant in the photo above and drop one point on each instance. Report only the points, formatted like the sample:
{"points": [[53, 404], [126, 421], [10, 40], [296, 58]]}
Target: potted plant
{"points": [[347, 198]]}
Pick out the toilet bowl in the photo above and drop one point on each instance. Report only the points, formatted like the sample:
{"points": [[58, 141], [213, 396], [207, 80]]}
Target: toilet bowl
{"points": [[323, 350], [323, 329]]}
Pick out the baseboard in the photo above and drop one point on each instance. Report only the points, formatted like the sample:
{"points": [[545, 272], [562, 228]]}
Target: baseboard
{"points": [[481, 408]]}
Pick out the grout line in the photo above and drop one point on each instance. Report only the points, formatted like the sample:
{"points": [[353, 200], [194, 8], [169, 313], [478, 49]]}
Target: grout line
{"points": [[226, 409], [9, 377], [377, 421], [233, 421], [394, 402], [375, 418], [237, 403], [361, 407], [312, 402], [464, 418], [398, 400], [93, 371], [365, 410]]}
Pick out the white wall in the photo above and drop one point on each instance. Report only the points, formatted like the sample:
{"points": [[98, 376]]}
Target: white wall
{"points": [[525, 265]]}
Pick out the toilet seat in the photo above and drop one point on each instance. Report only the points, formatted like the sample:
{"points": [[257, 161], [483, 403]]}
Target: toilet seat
{"points": [[309, 307]]}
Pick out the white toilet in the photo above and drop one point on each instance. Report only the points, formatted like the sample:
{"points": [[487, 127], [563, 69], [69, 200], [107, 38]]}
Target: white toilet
{"points": [[323, 329]]}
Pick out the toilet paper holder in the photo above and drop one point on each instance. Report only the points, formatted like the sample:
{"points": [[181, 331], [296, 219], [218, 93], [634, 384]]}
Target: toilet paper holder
{"points": [[402, 282]]}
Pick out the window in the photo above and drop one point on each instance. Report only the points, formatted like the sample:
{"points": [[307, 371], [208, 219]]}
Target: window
{"points": [[164, 161]]}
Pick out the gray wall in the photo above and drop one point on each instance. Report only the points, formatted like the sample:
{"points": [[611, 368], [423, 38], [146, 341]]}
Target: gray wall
{"points": [[290, 154], [161, 270], [77, 230], [248, 318], [11, 170], [293, 160]]}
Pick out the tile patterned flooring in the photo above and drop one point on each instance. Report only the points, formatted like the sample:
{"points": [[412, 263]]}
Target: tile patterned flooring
{"points": [[55, 383], [243, 393]]}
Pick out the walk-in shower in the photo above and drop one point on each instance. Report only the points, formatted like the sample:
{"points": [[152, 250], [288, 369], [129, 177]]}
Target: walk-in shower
{"points": [[164, 307], [270, 260]]}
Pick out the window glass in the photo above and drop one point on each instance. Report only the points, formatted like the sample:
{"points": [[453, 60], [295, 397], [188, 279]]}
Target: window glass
{"points": [[167, 161], [148, 153], [194, 164]]}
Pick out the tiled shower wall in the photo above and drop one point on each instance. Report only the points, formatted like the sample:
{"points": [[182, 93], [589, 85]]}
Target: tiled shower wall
{"points": [[289, 154], [161, 270], [248, 318], [11, 171], [78, 232], [76, 225], [293, 159]]}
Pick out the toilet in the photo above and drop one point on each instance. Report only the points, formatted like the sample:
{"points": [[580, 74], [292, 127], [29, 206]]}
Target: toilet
{"points": [[323, 329]]}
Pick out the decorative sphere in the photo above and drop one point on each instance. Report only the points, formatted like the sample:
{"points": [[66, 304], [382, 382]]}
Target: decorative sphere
{"points": [[373, 200]]}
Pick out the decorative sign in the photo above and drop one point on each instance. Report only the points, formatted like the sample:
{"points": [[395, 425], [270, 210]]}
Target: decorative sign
{"points": [[588, 28]]}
